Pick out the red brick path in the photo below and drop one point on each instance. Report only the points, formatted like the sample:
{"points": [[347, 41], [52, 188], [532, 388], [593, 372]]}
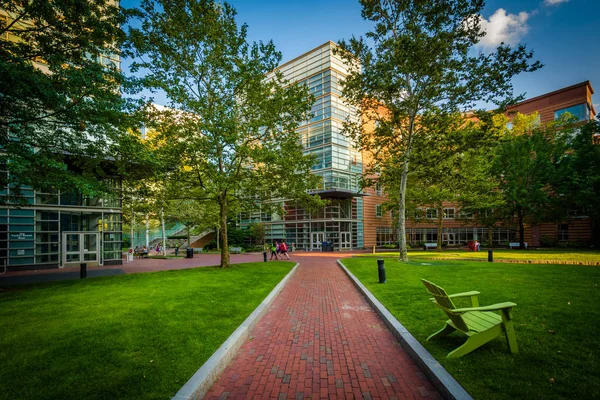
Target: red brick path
{"points": [[321, 339]]}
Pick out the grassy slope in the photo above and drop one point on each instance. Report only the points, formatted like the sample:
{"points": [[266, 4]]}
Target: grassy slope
{"points": [[557, 319], [131, 336], [542, 254]]}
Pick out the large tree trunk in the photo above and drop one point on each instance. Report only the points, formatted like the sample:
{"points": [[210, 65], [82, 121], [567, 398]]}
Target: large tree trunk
{"points": [[402, 203], [440, 224], [223, 232], [402, 215]]}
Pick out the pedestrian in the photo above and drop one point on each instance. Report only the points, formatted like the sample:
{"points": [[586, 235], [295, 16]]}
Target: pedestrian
{"points": [[157, 249], [274, 251], [477, 245], [283, 249]]}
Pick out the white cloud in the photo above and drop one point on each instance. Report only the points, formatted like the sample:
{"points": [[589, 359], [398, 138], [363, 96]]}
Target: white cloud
{"points": [[503, 27], [554, 2]]}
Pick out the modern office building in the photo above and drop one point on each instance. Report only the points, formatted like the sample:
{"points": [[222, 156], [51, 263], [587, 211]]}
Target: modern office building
{"points": [[341, 223], [355, 218]]}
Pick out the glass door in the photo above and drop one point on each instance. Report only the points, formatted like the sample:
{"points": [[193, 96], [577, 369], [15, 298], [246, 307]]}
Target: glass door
{"points": [[317, 238], [81, 247], [345, 240]]}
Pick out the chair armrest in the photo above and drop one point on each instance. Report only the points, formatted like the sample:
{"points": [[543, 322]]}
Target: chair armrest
{"points": [[474, 295], [493, 307], [465, 294]]}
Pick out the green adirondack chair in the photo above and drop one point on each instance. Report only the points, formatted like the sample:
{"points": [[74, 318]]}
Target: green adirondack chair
{"points": [[480, 324]]}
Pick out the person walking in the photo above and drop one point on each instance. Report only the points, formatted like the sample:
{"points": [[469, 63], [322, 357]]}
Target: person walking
{"points": [[274, 251], [283, 249]]}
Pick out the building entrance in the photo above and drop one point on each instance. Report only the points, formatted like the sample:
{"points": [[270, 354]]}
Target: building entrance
{"points": [[345, 241], [317, 238], [81, 247]]}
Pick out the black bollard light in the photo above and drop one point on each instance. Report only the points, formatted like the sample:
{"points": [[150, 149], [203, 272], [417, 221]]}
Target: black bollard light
{"points": [[82, 270], [490, 255], [265, 256], [381, 270]]}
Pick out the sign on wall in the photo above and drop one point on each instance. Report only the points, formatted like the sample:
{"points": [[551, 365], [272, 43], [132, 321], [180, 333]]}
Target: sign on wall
{"points": [[21, 236]]}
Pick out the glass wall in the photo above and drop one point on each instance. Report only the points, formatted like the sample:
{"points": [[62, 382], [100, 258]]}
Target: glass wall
{"points": [[32, 236]]}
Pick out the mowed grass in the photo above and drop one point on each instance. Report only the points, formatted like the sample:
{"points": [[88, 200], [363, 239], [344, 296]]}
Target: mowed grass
{"points": [[139, 336], [546, 255], [557, 320]]}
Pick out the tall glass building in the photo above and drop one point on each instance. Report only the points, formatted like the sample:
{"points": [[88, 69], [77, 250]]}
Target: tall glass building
{"points": [[338, 162]]}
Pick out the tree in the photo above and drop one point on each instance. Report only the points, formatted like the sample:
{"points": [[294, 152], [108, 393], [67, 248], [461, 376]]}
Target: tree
{"points": [[524, 163], [577, 180], [232, 141], [421, 66], [62, 117], [201, 216]]}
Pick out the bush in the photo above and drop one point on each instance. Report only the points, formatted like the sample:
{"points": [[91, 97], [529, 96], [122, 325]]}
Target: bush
{"points": [[253, 249], [210, 245], [547, 241]]}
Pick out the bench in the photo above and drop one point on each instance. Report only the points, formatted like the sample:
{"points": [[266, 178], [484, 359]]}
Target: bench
{"points": [[429, 246], [516, 245], [141, 254]]}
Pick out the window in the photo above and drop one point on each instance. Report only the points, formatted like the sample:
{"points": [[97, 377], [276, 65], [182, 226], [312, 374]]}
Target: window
{"points": [[580, 111], [563, 232], [378, 189], [431, 213], [449, 213], [378, 211]]}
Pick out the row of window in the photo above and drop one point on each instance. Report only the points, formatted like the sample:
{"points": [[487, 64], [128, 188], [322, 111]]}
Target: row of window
{"points": [[426, 213]]}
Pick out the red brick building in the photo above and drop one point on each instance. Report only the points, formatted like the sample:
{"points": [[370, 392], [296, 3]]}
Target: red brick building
{"points": [[576, 226]]}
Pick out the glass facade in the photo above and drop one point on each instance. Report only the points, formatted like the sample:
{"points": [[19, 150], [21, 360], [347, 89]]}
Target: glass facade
{"points": [[580, 111], [52, 227], [338, 161]]}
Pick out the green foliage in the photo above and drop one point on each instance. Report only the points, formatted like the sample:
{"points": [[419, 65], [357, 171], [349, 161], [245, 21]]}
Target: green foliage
{"points": [[553, 319], [524, 163], [62, 117], [146, 350], [420, 68], [577, 180], [231, 130]]}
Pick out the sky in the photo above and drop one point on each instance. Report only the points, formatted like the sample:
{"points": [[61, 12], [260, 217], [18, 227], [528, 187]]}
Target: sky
{"points": [[562, 33]]}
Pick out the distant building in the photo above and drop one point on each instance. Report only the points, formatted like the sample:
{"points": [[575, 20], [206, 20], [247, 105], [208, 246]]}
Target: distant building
{"points": [[355, 218]]}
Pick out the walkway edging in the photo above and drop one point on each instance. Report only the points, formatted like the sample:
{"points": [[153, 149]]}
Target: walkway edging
{"points": [[447, 386], [197, 386]]}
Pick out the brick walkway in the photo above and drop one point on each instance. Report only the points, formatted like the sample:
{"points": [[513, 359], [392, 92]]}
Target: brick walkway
{"points": [[321, 339]]}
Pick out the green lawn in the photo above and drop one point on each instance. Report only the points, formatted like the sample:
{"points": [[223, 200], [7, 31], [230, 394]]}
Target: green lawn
{"points": [[571, 255], [139, 336], [557, 320]]}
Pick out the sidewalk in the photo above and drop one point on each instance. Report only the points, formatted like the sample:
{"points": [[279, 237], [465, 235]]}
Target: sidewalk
{"points": [[136, 266], [321, 339]]}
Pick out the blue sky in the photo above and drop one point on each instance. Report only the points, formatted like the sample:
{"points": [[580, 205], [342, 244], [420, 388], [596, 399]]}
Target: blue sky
{"points": [[562, 33]]}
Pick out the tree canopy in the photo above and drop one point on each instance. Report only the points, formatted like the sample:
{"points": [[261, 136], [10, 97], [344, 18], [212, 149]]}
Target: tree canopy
{"points": [[420, 63], [63, 121], [230, 133]]}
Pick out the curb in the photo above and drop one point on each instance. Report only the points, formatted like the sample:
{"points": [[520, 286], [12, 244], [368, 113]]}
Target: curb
{"points": [[447, 386], [197, 386]]}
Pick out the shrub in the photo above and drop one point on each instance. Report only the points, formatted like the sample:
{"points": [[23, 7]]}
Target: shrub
{"points": [[210, 245]]}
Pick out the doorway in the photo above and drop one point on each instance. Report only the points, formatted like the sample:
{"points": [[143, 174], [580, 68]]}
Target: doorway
{"points": [[317, 238], [345, 241], [81, 247]]}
